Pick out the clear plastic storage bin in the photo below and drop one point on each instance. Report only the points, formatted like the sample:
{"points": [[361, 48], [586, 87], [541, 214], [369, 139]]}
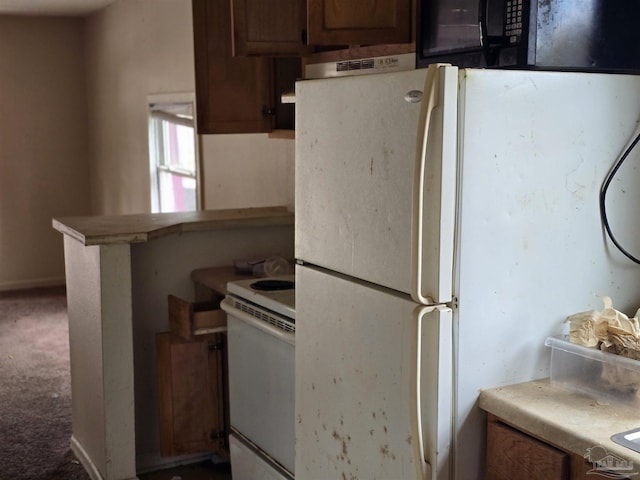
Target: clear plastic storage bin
{"points": [[604, 376]]}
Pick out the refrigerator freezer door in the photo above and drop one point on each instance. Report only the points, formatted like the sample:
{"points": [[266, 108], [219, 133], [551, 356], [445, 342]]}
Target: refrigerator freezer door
{"points": [[358, 146], [373, 382]]}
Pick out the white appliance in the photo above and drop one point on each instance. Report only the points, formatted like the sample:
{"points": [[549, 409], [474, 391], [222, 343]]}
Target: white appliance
{"points": [[261, 344], [447, 222], [361, 66]]}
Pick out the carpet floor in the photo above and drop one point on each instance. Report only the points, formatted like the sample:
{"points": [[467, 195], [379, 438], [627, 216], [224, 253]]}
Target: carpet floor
{"points": [[35, 393]]}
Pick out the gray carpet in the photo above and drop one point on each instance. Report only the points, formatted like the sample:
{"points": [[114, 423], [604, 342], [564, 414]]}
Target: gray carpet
{"points": [[35, 397], [35, 394]]}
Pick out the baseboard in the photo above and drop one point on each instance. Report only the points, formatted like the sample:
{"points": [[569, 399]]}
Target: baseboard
{"points": [[35, 283], [144, 463], [151, 462], [86, 462]]}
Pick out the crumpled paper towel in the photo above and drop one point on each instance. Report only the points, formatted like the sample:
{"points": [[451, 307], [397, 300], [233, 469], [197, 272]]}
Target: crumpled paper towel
{"points": [[607, 329], [613, 332]]}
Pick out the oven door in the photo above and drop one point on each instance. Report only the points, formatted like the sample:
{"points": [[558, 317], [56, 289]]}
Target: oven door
{"points": [[261, 383]]}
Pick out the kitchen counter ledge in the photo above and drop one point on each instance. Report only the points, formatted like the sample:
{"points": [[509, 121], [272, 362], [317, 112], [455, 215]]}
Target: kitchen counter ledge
{"points": [[119, 271], [570, 421], [139, 228]]}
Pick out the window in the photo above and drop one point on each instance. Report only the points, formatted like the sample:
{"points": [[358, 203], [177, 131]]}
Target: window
{"points": [[173, 157]]}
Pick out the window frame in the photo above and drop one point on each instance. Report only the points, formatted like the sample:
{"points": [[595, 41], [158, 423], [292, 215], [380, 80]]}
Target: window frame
{"points": [[157, 106]]}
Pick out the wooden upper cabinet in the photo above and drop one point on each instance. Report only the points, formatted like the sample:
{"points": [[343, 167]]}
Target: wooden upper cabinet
{"points": [[233, 94], [273, 27], [359, 22]]}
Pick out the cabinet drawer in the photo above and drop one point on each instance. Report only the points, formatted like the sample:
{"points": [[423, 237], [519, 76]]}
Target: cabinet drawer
{"points": [[187, 319]]}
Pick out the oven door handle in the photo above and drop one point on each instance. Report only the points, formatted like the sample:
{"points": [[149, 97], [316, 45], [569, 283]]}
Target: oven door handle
{"points": [[267, 328]]}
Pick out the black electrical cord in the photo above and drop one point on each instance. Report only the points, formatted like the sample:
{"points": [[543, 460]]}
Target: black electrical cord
{"points": [[603, 197]]}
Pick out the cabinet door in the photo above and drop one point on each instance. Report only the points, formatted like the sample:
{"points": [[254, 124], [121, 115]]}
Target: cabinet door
{"points": [[233, 94], [512, 455], [359, 22], [192, 394], [582, 469], [268, 28]]}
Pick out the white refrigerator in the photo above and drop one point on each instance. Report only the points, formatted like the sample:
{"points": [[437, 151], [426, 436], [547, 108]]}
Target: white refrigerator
{"points": [[447, 222]]}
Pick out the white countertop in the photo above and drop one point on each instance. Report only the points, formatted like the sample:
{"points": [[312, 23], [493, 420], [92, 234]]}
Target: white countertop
{"points": [[138, 228]]}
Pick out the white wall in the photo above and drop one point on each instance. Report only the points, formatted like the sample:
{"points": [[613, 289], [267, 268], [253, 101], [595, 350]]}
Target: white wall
{"points": [[248, 171], [43, 148], [134, 48], [73, 128], [137, 48]]}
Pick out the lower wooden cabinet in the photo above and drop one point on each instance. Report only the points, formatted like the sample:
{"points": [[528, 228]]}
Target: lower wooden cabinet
{"points": [[513, 454], [192, 383]]}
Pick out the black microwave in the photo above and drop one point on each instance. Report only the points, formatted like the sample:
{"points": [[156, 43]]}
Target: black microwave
{"points": [[582, 35]]}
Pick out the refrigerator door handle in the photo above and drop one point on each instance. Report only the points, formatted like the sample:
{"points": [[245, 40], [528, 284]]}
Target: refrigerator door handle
{"points": [[423, 465], [434, 187], [429, 103], [432, 390]]}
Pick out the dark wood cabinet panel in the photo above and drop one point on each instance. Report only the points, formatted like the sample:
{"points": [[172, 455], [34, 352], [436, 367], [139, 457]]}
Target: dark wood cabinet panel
{"points": [[274, 28], [359, 22], [233, 94], [512, 454], [582, 469], [241, 93], [285, 72]]}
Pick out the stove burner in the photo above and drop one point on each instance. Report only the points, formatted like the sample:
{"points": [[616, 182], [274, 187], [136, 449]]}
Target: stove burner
{"points": [[272, 285]]}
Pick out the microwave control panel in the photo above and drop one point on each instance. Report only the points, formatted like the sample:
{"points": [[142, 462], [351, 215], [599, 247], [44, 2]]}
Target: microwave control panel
{"points": [[513, 20]]}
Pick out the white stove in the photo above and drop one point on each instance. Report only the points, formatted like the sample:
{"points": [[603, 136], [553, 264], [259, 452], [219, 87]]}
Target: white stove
{"points": [[276, 294], [261, 339]]}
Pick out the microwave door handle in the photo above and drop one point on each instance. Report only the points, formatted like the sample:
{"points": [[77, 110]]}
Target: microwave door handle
{"points": [[482, 26], [428, 104], [488, 52]]}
